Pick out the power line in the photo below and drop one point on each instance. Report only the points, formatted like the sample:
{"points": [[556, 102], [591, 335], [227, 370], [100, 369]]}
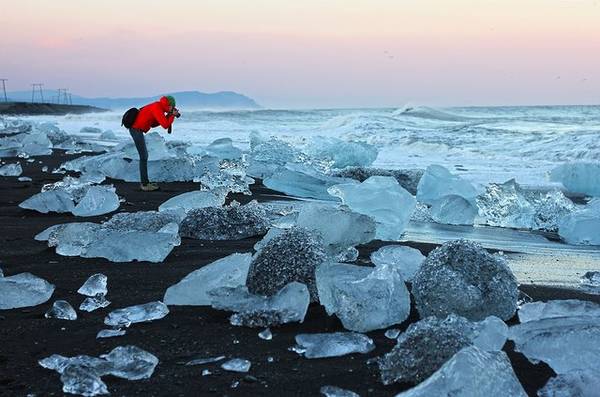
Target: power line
{"points": [[4, 89]]}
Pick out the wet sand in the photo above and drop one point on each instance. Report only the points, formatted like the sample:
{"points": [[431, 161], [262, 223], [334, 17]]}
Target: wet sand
{"points": [[187, 332]]}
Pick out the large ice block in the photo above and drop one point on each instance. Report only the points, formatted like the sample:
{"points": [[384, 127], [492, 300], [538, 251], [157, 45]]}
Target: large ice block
{"points": [[557, 308], [233, 222], [293, 255], [453, 210], [408, 179], [471, 372], [509, 205], [193, 289], [23, 290], [136, 314], [582, 227], [564, 343], [427, 344], [196, 199], [11, 170], [98, 200], [363, 301], [381, 198], [223, 149], [438, 182], [287, 305], [579, 383], [333, 344], [94, 285], [340, 153], [405, 260], [339, 227], [583, 177], [461, 277]]}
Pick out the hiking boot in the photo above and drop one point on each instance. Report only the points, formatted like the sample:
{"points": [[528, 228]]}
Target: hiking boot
{"points": [[149, 187]]}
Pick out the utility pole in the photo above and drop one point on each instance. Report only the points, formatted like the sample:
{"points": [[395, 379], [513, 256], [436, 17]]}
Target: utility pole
{"points": [[70, 99], [4, 89], [39, 86]]}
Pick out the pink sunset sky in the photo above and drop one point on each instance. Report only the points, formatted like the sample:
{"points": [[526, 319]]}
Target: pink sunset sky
{"points": [[311, 53]]}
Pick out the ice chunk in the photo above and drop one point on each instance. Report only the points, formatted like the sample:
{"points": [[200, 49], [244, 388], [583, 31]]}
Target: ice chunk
{"points": [[24, 179], [422, 349], [50, 201], [23, 290], [148, 236], [591, 281], [11, 170], [234, 222], [453, 210], [288, 305], [236, 365], [580, 383], [94, 285], [582, 227], [509, 205], [110, 333], [333, 344], [339, 227], [578, 177], [303, 180], [202, 361], [265, 334], [82, 380], [463, 278], [131, 362], [61, 310], [405, 260], [334, 391], [341, 153], [58, 363], [438, 182], [471, 372], [268, 156], [293, 255], [381, 198], [408, 179], [136, 314], [195, 199], [223, 149], [564, 343], [392, 333], [90, 130], [97, 200], [108, 135], [193, 289], [92, 303], [362, 302], [557, 308]]}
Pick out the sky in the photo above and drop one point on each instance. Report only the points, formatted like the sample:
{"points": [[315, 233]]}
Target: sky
{"points": [[310, 53]]}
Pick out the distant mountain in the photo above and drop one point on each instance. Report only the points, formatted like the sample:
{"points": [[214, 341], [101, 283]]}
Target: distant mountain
{"points": [[185, 99]]}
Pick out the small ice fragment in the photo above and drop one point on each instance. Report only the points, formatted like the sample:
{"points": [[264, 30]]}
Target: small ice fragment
{"points": [[334, 391], [270, 359], [206, 372], [45, 168], [202, 361], [265, 334], [392, 333], [11, 170], [109, 333], [61, 310], [236, 365], [82, 380], [131, 362], [333, 344], [195, 199], [94, 285], [24, 179], [92, 303], [136, 314]]}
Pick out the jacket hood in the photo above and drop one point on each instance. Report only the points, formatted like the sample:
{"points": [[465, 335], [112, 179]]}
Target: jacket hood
{"points": [[164, 103]]}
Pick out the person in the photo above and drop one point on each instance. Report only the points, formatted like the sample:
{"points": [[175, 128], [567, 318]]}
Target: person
{"points": [[161, 112]]}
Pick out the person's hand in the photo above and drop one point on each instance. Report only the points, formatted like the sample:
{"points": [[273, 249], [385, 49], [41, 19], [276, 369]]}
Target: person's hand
{"points": [[176, 113]]}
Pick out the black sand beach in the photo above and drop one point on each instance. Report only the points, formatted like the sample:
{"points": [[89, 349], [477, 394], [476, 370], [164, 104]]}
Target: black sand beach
{"points": [[187, 332]]}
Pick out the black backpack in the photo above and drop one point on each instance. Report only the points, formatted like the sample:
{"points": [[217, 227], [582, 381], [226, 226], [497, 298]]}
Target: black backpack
{"points": [[129, 117]]}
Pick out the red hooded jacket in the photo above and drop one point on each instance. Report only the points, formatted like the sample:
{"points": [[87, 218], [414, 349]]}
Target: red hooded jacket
{"points": [[153, 115]]}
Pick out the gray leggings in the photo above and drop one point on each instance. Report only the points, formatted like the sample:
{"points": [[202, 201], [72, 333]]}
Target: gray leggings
{"points": [[140, 145]]}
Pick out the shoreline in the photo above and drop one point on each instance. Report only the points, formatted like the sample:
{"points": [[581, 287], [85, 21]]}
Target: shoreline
{"points": [[42, 109], [188, 331]]}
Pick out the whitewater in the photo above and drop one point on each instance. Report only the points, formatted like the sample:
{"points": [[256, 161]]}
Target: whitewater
{"points": [[482, 144]]}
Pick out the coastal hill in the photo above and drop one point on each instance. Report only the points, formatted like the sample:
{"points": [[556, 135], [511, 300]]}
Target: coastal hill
{"points": [[30, 109], [189, 99]]}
